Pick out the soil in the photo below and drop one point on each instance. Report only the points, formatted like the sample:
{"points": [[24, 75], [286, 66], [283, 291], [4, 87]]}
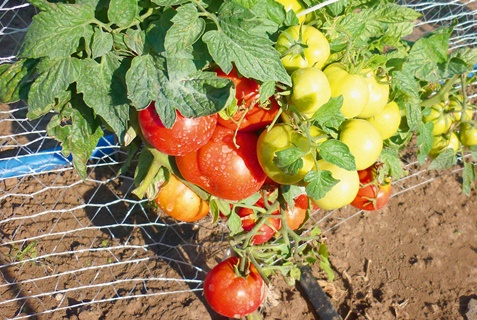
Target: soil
{"points": [[73, 249]]}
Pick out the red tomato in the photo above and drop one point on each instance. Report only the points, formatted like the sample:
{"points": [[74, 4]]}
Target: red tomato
{"points": [[233, 295], [222, 169], [185, 136], [267, 230], [371, 195], [250, 116], [297, 216]]}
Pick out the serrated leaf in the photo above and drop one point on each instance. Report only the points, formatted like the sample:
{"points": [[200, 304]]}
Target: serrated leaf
{"points": [[407, 90], [267, 89], [446, 159], [51, 86], [329, 116], [142, 80], [14, 80], [337, 153], [123, 12], [319, 183], [102, 43], [58, 31], [104, 90], [392, 165], [78, 131], [424, 141], [253, 56], [188, 27], [289, 160], [468, 177], [234, 223], [135, 40]]}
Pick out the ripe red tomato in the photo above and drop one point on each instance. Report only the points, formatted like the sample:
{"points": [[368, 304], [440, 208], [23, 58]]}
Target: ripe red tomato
{"points": [[371, 195], [297, 216], [185, 136], [267, 230], [222, 169], [180, 202], [233, 295], [250, 116]]}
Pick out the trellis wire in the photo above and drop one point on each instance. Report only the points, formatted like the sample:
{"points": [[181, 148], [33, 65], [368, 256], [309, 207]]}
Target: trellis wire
{"points": [[68, 244]]}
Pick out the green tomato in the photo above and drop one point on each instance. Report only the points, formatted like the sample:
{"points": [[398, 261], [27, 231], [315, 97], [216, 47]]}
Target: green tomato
{"points": [[302, 46], [455, 109], [441, 121], [342, 193], [378, 95], [468, 134], [353, 88], [443, 142], [310, 90], [281, 137], [387, 121], [363, 140]]}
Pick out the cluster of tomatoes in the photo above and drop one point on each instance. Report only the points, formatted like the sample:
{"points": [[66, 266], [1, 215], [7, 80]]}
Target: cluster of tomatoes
{"points": [[452, 125]]}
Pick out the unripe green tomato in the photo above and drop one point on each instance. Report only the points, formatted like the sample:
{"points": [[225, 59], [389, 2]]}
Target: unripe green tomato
{"points": [[378, 96], [443, 142], [455, 109], [387, 121], [310, 90], [363, 140], [441, 121], [353, 88], [468, 134], [342, 193], [281, 137], [302, 46]]}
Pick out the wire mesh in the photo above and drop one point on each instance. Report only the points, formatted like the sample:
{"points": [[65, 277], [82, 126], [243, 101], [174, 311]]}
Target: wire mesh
{"points": [[71, 246]]}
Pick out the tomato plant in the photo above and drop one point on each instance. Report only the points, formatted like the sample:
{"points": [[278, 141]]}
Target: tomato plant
{"points": [[363, 140], [342, 193], [310, 90], [302, 46], [231, 293], [372, 195], [353, 88], [223, 167], [180, 202], [250, 115], [283, 137], [387, 121], [186, 135]]}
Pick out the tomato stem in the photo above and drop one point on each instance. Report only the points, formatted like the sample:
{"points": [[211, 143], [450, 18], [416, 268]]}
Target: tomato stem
{"points": [[156, 164], [442, 94]]}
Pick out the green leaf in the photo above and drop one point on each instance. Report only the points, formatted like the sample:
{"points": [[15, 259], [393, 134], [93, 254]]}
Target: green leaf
{"points": [[186, 30], [469, 177], [135, 40], [123, 12], [104, 90], [290, 193], [14, 78], [407, 90], [267, 89], [329, 116], [234, 223], [325, 262], [58, 31], [165, 3], [289, 160], [78, 131], [444, 160], [254, 56], [337, 153], [392, 165], [319, 183], [102, 43], [50, 89], [142, 80], [424, 141]]}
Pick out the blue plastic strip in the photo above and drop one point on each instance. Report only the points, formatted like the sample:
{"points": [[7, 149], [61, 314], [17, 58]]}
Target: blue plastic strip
{"points": [[48, 160]]}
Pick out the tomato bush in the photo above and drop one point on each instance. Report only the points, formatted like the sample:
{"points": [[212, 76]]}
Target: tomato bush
{"points": [[186, 135], [180, 202], [222, 168], [232, 294]]}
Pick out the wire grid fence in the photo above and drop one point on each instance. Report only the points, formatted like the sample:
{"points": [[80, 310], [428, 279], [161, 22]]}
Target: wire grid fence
{"points": [[70, 245]]}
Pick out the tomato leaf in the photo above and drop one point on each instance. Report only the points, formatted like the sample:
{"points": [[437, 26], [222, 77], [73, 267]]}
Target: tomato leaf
{"points": [[123, 12], [319, 183], [50, 88], [104, 90], [234, 223], [186, 30], [58, 31], [329, 116], [253, 55], [446, 159], [392, 165], [337, 153], [325, 262], [267, 89], [468, 177], [78, 130], [14, 80], [424, 141], [289, 160], [101, 44], [407, 89]]}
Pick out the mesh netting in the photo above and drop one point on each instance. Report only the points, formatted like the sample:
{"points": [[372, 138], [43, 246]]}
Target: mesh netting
{"points": [[69, 244]]}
